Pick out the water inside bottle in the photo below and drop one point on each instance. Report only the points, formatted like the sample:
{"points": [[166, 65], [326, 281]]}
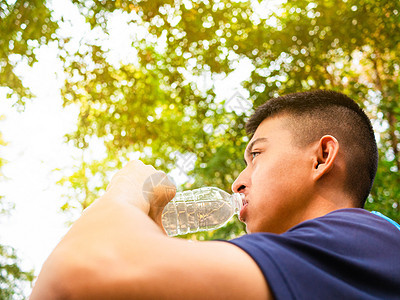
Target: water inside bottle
{"points": [[191, 216]]}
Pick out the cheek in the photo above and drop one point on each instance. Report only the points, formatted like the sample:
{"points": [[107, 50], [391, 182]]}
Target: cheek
{"points": [[273, 186], [271, 174]]}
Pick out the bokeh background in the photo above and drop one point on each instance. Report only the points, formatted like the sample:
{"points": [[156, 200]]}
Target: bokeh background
{"points": [[86, 85]]}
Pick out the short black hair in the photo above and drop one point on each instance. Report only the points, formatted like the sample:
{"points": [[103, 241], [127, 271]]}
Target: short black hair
{"points": [[317, 113]]}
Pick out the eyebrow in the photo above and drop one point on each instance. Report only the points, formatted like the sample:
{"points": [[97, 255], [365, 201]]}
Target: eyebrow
{"points": [[251, 145]]}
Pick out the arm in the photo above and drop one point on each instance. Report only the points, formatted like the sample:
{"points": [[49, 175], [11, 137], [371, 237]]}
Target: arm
{"points": [[115, 250]]}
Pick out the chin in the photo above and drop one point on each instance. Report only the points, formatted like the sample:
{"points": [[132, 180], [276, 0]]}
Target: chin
{"points": [[248, 230]]}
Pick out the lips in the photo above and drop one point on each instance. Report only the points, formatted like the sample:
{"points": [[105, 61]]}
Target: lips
{"points": [[243, 211], [244, 200]]}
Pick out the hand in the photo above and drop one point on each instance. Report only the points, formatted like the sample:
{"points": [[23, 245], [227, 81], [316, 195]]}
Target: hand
{"points": [[143, 186]]}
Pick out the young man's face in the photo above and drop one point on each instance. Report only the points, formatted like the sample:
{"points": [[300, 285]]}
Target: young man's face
{"points": [[276, 182]]}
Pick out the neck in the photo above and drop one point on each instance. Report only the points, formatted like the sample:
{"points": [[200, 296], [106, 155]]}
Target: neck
{"points": [[326, 203]]}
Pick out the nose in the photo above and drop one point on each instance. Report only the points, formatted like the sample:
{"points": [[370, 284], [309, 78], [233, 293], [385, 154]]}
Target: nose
{"points": [[241, 183]]}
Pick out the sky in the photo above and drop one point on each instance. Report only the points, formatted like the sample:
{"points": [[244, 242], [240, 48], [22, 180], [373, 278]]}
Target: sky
{"points": [[35, 149], [37, 153]]}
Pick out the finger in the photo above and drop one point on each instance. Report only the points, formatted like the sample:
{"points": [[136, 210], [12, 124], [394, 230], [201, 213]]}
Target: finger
{"points": [[134, 171], [137, 168], [158, 189]]}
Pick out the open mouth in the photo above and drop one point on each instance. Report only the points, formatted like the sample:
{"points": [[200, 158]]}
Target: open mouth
{"points": [[244, 201], [242, 213]]}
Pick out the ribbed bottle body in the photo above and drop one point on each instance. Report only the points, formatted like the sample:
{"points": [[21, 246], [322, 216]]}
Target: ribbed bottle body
{"points": [[198, 210]]}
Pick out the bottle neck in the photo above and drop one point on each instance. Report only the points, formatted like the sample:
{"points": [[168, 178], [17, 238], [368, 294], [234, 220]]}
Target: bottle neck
{"points": [[237, 200]]}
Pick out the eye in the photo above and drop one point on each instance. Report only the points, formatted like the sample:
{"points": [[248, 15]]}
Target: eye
{"points": [[254, 154]]}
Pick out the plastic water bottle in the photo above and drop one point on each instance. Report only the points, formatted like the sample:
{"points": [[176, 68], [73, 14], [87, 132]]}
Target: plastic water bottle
{"points": [[202, 209]]}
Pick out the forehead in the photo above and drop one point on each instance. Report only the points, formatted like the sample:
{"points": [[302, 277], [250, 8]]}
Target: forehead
{"points": [[273, 129]]}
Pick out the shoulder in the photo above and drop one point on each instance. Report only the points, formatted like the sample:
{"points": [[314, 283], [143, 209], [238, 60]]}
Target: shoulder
{"points": [[342, 222], [345, 224], [329, 251], [345, 230]]}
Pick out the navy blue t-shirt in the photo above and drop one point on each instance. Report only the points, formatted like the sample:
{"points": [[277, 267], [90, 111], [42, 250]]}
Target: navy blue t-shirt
{"points": [[346, 254]]}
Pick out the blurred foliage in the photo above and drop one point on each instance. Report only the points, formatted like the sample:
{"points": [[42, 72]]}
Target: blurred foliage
{"points": [[24, 26], [159, 108], [163, 107], [12, 279]]}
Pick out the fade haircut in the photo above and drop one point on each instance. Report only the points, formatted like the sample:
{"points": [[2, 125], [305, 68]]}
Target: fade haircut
{"points": [[311, 115]]}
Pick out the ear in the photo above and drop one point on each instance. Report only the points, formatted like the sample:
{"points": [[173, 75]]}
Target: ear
{"points": [[328, 148]]}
